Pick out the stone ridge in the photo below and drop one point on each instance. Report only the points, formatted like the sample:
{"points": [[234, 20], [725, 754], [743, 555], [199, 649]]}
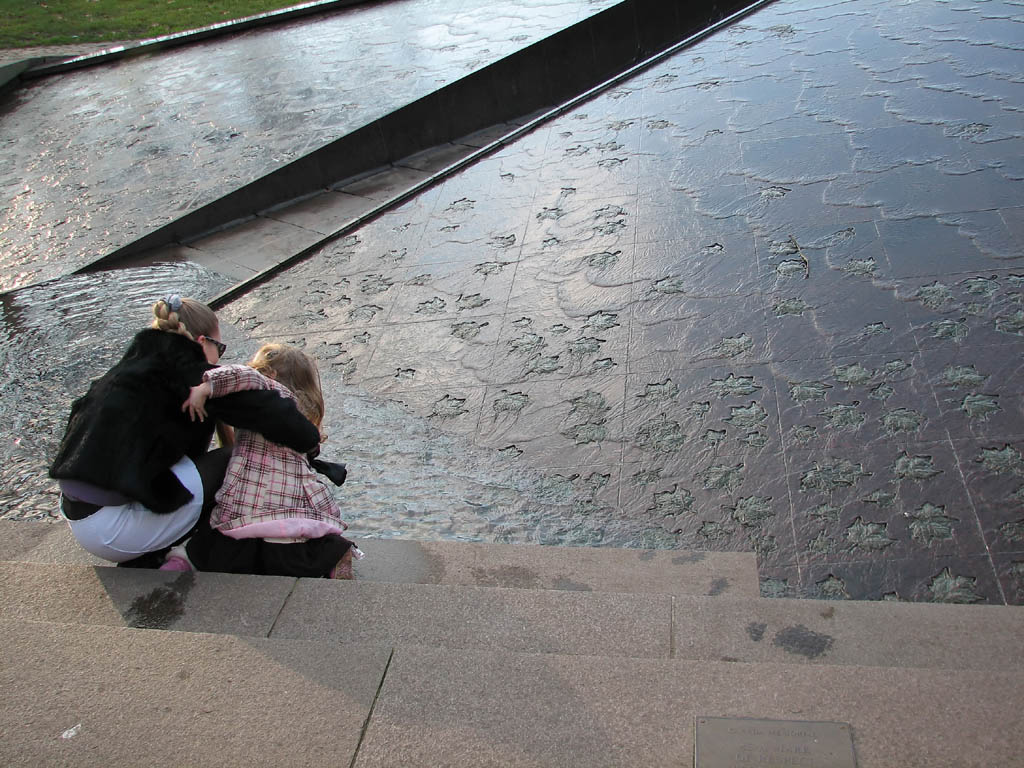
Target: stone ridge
{"points": [[559, 621], [205, 699], [587, 569]]}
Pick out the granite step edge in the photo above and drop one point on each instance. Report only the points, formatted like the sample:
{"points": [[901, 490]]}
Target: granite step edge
{"points": [[527, 620], [415, 705], [723, 574]]}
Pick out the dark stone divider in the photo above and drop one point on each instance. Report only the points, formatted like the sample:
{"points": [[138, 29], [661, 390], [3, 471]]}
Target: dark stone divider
{"points": [[542, 75]]}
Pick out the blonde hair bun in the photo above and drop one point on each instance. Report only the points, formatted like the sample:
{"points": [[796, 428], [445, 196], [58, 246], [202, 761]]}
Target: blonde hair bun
{"points": [[184, 316]]}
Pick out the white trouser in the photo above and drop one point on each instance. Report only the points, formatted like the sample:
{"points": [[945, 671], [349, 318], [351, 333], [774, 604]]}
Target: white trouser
{"points": [[128, 530]]}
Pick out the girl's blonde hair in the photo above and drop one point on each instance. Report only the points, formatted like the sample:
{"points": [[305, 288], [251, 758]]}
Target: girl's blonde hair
{"points": [[297, 371], [188, 317]]}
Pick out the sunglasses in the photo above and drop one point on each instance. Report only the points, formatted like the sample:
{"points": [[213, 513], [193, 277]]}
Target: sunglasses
{"points": [[220, 345]]}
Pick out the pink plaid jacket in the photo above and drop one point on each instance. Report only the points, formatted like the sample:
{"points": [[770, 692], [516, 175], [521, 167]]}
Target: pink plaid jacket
{"points": [[269, 491]]}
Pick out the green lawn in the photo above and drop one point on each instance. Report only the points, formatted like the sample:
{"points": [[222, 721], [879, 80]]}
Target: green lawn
{"points": [[56, 22]]}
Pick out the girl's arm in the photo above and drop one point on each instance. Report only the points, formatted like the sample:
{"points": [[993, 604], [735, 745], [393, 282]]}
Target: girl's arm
{"points": [[270, 413], [227, 379]]}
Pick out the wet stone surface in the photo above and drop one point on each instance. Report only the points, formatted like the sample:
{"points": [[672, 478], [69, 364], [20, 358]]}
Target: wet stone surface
{"points": [[95, 158], [766, 296]]}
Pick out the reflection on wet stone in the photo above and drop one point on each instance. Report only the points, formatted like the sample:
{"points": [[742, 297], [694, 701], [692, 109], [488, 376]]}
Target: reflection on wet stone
{"points": [[881, 498], [510, 402], [1005, 460], [661, 436], [860, 267], [901, 420], [843, 416], [752, 511], [467, 329], [918, 468], [665, 390], [721, 477], [805, 391], [853, 374], [733, 346], [698, 410]]}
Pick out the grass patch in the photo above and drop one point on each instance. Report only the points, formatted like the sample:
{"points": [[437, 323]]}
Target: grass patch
{"points": [[59, 22]]}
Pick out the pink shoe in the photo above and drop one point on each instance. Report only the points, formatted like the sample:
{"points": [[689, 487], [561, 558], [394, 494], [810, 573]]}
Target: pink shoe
{"points": [[175, 563]]}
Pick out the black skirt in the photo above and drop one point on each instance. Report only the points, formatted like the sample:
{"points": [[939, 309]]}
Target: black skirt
{"points": [[211, 550]]}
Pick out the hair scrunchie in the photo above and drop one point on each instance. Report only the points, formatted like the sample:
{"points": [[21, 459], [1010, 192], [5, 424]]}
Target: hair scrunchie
{"points": [[173, 301]]}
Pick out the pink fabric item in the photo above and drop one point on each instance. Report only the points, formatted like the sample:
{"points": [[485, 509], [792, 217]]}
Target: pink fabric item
{"points": [[292, 528], [265, 482]]}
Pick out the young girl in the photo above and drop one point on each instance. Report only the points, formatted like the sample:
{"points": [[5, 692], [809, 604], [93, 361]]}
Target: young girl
{"points": [[273, 514]]}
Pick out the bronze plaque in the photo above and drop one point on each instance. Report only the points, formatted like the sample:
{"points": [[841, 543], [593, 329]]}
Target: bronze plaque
{"points": [[739, 742]]}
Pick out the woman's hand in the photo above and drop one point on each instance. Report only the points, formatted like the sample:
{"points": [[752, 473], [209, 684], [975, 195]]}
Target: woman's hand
{"points": [[196, 403]]}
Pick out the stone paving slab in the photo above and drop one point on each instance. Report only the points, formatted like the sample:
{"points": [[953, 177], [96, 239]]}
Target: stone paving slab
{"points": [[879, 633], [108, 696], [256, 244], [541, 621], [324, 213], [210, 602], [727, 574], [495, 708], [42, 542]]}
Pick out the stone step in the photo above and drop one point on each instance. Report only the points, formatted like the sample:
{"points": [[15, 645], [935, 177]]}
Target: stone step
{"points": [[586, 569], [658, 626], [544, 621], [909, 635], [114, 696], [726, 574]]}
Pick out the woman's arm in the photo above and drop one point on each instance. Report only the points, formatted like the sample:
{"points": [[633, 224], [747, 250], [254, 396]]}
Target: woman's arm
{"points": [[246, 399], [270, 413], [225, 380]]}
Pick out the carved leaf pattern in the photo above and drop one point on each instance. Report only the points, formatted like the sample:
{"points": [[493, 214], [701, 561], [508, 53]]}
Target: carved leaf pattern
{"points": [[947, 588], [930, 523], [833, 588], [868, 536], [837, 473]]}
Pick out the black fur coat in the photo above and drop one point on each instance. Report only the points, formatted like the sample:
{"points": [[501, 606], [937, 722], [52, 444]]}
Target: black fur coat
{"points": [[128, 430]]}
